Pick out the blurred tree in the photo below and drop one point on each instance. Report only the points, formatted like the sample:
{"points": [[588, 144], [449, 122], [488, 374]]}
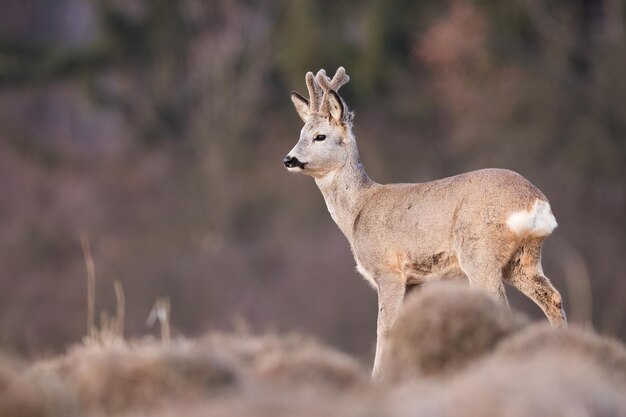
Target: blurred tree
{"points": [[160, 125]]}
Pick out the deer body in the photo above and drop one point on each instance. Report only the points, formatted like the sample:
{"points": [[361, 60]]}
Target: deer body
{"points": [[431, 224], [486, 225]]}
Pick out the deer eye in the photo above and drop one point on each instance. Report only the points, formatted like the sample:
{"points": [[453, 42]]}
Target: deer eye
{"points": [[319, 138]]}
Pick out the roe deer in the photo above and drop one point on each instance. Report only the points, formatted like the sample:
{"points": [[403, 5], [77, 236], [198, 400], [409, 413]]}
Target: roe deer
{"points": [[488, 225]]}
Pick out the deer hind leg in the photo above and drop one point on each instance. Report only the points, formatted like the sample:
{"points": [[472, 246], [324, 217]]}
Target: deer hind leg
{"points": [[525, 273], [481, 262], [488, 278]]}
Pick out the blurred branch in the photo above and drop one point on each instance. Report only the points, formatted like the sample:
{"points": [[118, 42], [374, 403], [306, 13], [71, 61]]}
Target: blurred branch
{"points": [[578, 283], [120, 303], [91, 284]]}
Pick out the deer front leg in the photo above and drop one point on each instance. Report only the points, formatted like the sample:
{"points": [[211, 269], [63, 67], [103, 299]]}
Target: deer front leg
{"points": [[390, 296]]}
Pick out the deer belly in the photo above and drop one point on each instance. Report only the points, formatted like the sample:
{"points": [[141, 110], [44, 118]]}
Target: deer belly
{"points": [[442, 265]]}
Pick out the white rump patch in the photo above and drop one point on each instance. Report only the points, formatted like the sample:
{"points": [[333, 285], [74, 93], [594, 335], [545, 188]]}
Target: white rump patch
{"points": [[538, 221]]}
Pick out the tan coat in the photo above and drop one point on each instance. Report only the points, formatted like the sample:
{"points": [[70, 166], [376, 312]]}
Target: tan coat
{"points": [[487, 225]]}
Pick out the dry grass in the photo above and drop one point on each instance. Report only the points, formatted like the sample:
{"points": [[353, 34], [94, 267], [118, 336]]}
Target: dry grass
{"points": [[279, 403], [546, 386], [576, 344], [110, 376], [442, 328], [289, 360], [454, 352], [24, 395]]}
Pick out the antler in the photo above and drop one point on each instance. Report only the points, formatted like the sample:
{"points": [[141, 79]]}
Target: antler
{"points": [[319, 87], [315, 92], [339, 79]]}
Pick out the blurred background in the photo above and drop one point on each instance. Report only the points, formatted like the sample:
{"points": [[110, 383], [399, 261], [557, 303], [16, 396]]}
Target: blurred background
{"points": [[156, 129]]}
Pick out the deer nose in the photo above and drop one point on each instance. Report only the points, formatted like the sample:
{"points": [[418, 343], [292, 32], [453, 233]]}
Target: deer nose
{"points": [[291, 162]]}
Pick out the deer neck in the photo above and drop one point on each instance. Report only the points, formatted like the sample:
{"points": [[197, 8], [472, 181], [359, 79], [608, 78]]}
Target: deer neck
{"points": [[345, 192]]}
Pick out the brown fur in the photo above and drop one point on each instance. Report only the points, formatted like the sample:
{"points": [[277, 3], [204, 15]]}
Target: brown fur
{"points": [[523, 271], [398, 231], [443, 328]]}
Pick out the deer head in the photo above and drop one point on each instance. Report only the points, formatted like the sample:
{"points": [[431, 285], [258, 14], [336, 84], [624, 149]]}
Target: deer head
{"points": [[325, 140]]}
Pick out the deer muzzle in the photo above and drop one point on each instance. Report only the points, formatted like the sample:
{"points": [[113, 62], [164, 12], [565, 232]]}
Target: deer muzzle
{"points": [[293, 162]]}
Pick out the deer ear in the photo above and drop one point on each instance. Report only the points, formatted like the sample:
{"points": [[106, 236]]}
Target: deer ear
{"points": [[335, 106], [302, 106]]}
